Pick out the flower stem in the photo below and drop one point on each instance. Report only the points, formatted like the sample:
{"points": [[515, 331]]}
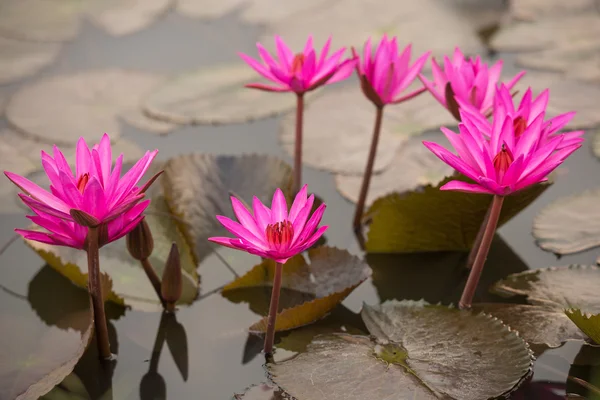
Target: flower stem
{"points": [[153, 278], [486, 241], [360, 206], [298, 144], [270, 338], [95, 289], [477, 242]]}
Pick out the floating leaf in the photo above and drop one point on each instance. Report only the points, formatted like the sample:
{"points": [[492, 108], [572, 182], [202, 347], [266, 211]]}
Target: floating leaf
{"points": [[21, 59], [413, 166], [197, 187], [596, 143], [589, 324], [119, 17], [215, 95], [436, 220], [321, 285], [207, 8], [351, 22], [62, 108], [40, 20], [36, 356], [570, 224], [264, 391], [575, 286], [338, 130], [537, 325], [270, 11], [131, 286], [419, 351], [542, 9]]}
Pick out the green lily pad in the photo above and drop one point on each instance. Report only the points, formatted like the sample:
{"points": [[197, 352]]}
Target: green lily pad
{"points": [[418, 351], [198, 186], [130, 285], [570, 224], [589, 324], [62, 108], [309, 291], [436, 220], [37, 356], [215, 95]]}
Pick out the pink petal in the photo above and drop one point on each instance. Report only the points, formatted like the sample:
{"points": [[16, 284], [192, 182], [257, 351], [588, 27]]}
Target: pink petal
{"points": [[298, 204], [311, 240], [255, 65], [267, 88], [105, 157], [310, 226], [432, 89], [460, 186], [299, 222], [241, 232], [93, 200], [36, 205], [452, 160], [37, 192], [262, 214], [279, 211], [83, 158], [284, 53], [245, 218], [43, 237]]}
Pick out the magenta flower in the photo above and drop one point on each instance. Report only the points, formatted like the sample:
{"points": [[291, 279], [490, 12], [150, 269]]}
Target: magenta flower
{"points": [[505, 162], [384, 76], [466, 81], [302, 72], [274, 233], [94, 196], [523, 116]]}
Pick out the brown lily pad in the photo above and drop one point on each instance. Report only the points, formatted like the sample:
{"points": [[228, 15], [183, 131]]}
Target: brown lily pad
{"points": [[21, 59]]}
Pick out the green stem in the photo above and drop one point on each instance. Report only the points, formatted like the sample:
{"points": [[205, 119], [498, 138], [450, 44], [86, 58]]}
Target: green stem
{"points": [[95, 289], [488, 235], [270, 337], [362, 197], [298, 144]]}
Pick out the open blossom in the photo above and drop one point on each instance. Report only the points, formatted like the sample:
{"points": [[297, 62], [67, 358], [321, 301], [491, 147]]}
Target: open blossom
{"points": [[504, 162], [467, 80], [385, 75], [524, 115], [274, 233], [301, 72], [94, 193]]}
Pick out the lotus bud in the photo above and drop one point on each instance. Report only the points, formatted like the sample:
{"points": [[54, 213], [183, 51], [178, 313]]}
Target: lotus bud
{"points": [[171, 286], [140, 242]]}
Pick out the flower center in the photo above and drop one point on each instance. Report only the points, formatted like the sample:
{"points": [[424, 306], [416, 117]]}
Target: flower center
{"points": [[502, 161], [82, 181], [519, 125], [297, 63], [279, 234]]}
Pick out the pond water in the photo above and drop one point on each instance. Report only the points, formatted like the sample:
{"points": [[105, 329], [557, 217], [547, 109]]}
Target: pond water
{"points": [[210, 355]]}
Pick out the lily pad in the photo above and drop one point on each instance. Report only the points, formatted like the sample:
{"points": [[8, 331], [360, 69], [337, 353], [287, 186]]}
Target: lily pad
{"points": [[60, 109], [350, 23], [208, 9], [589, 324], [71, 388], [270, 11], [436, 220], [118, 17], [197, 187], [21, 59], [419, 351], [338, 129], [37, 356], [570, 224], [215, 95], [40, 20], [575, 286], [596, 143], [413, 166], [131, 286], [530, 10], [321, 285], [264, 391], [546, 327]]}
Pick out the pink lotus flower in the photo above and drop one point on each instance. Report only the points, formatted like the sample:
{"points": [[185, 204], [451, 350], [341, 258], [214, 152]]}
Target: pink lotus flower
{"points": [[302, 72], [274, 233], [469, 81], [387, 74], [523, 116], [505, 162], [93, 196]]}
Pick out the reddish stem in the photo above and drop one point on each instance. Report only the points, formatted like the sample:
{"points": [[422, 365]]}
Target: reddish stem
{"points": [[95, 289], [153, 278], [298, 144], [270, 337], [488, 235], [362, 198], [477, 242]]}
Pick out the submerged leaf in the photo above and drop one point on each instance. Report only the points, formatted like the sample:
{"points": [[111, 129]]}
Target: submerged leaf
{"points": [[436, 220], [589, 324], [419, 351], [197, 187], [62, 108], [130, 285], [215, 95], [21, 59], [569, 224], [319, 286]]}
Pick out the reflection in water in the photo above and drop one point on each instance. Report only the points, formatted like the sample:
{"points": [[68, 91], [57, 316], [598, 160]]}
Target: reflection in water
{"points": [[586, 367], [440, 277]]}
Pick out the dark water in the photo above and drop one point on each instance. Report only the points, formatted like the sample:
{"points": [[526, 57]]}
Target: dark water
{"points": [[221, 357]]}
